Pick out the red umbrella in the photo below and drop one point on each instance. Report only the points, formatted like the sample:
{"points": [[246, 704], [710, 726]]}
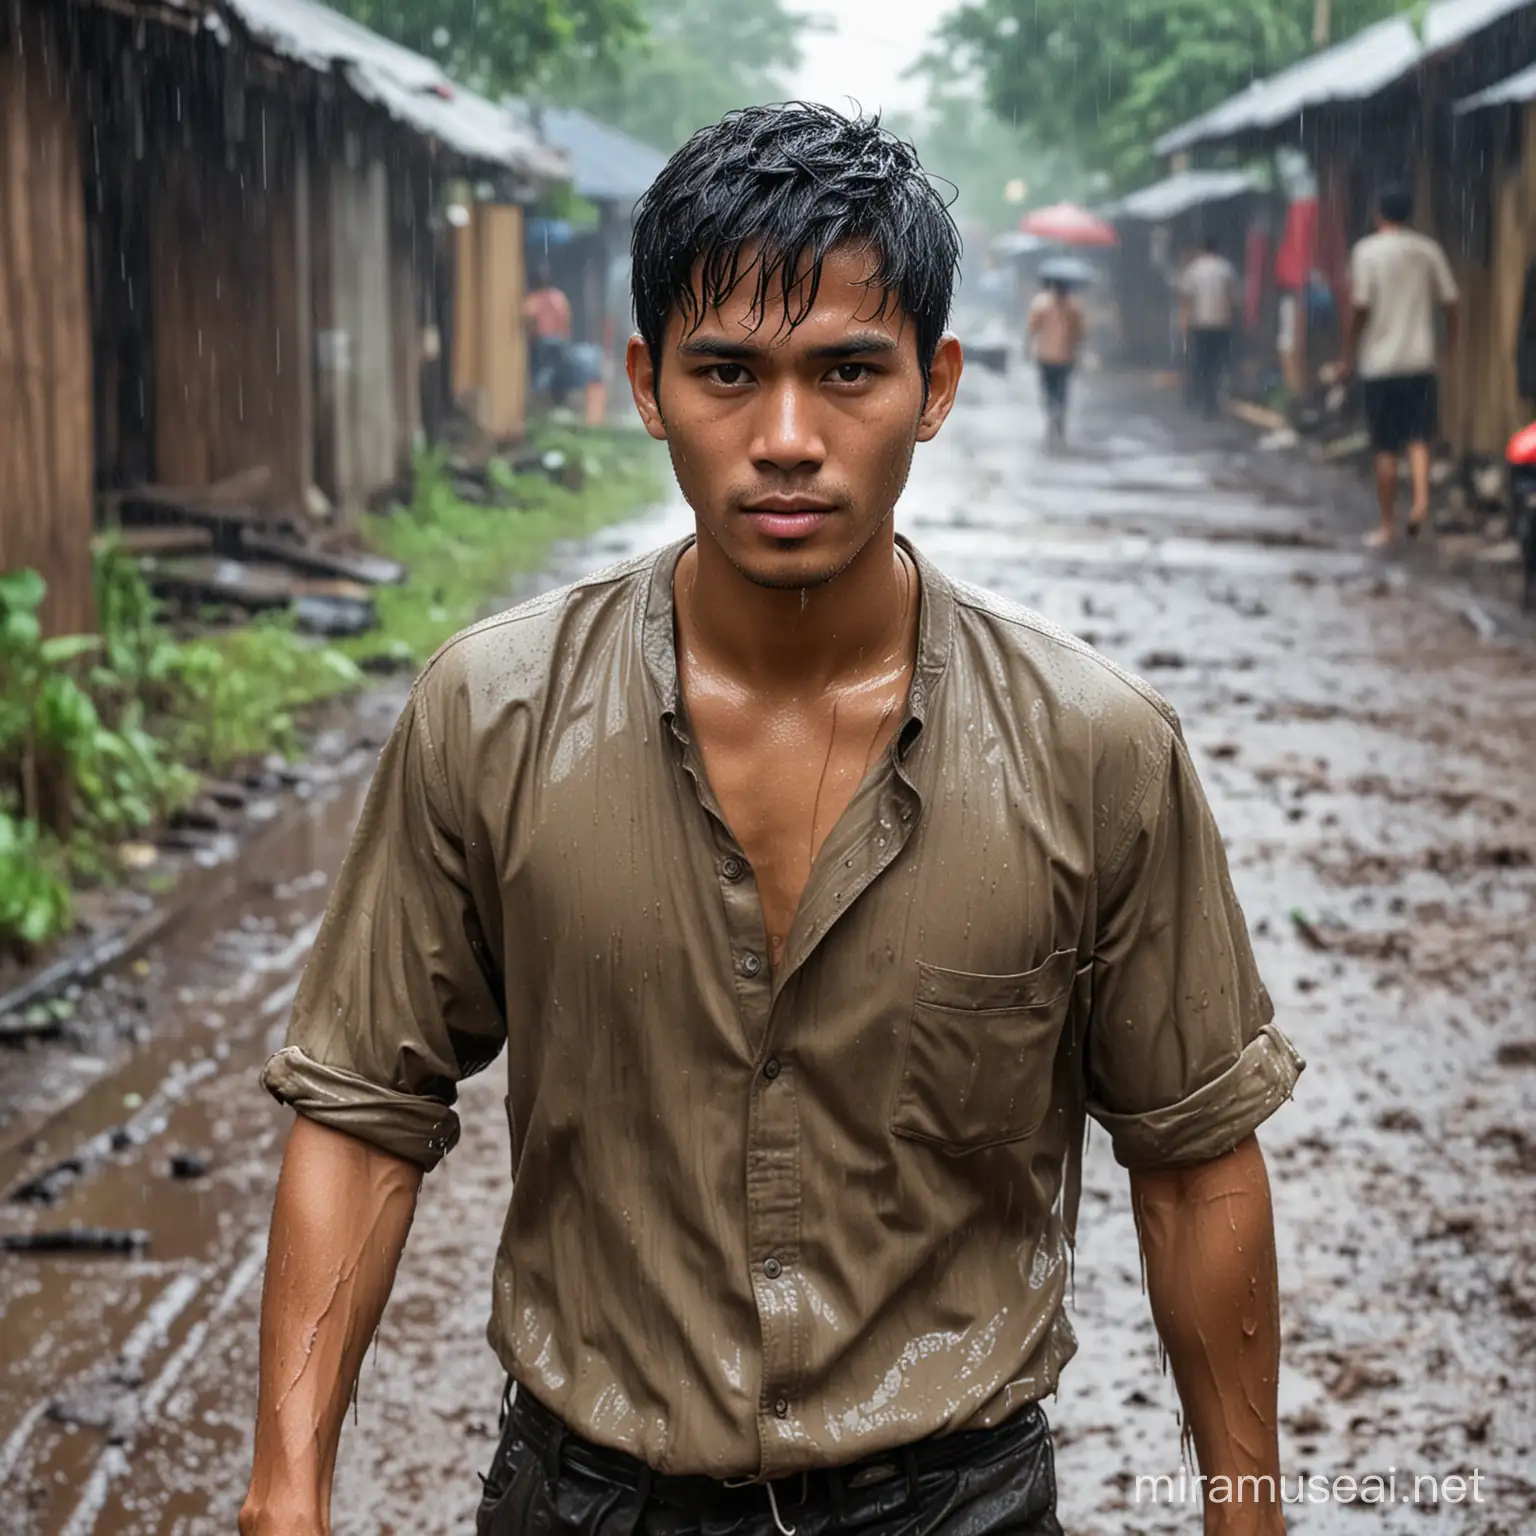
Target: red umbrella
{"points": [[1067, 224]]}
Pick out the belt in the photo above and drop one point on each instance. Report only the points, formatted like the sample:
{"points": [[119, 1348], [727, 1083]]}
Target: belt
{"points": [[698, 1494]]}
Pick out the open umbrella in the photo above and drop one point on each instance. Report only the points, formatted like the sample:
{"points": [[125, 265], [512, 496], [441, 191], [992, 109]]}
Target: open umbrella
{"points": [[1067, 224], [1071, 270]]}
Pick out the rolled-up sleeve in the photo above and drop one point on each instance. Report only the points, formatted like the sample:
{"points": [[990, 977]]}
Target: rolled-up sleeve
{"points": [[1183, 1062], [400, 1000]]}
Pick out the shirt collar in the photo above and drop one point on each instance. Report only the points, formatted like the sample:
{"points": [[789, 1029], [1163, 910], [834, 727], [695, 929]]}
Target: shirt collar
{"points": [[935, 634]]}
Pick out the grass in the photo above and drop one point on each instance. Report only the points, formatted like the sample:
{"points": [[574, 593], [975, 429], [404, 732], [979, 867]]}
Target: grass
{"points": [[463, 556]]}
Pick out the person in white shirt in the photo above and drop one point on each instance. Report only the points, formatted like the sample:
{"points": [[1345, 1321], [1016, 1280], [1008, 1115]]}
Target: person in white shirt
{"points": [[1399, 280], [1208, 302]]}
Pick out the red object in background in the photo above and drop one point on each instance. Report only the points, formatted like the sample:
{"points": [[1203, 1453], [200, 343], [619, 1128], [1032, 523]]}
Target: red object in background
{"points": [[1253, 276], [1522, 447], [1067, 224], [1295, 256]]}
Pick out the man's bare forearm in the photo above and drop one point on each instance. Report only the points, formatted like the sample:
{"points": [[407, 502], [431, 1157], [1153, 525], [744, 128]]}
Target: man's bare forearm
{"points": [[1208, 1235], [338, 1227]]}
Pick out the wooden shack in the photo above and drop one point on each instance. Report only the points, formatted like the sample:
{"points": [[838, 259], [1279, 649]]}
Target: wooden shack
{"points": [[1381, 107], [217, 238], [45, 321]]}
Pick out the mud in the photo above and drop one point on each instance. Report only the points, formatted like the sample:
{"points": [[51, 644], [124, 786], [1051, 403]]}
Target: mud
{"points": [[1371, 756]]}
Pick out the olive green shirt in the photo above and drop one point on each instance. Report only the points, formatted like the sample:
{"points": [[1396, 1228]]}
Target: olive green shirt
{"points": [[763, 1220]]}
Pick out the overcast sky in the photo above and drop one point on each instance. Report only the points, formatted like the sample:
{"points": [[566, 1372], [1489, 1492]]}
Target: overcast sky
{"points": [[873, 42]]}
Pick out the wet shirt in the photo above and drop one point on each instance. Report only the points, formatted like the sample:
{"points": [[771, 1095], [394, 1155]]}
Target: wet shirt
{"points": [[1055, 329], [1209, 284], [1403, 279], [770, 1218]]}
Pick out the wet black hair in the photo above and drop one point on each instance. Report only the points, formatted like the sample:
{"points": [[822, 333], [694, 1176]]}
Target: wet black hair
{"points": [[766, 194], [1211, 244], [1395, 204]]}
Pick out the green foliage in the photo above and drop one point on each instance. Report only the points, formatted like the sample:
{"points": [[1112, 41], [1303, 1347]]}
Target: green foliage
{"points": [[462, 555], [35, 905], [700, 59], [504, 45], [99, 735], [1101, 80]]}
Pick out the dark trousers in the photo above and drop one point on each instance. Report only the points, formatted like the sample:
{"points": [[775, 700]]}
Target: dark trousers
{"points": [[1210, 351], [545, 1481]]}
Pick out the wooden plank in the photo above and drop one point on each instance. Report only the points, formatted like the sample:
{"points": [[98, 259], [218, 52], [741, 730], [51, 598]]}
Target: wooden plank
{"points": [[226, 311], [505, 358], [467, 322], [46, 386]]}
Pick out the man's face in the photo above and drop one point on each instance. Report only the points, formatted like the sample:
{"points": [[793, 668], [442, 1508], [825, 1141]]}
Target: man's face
{"points": [[792, 446]]}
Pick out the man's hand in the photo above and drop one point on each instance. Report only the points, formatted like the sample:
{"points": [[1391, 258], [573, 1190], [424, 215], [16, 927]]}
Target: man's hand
{"points": [[338, 1227], [1207, 1232]]}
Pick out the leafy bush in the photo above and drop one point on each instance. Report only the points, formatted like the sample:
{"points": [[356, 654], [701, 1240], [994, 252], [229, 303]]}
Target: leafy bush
{"points": [[35, 904]]}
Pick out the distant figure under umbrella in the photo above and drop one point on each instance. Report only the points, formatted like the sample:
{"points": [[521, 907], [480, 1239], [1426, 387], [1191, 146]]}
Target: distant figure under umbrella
{"points": [[1054, 334], [1208, 303]]}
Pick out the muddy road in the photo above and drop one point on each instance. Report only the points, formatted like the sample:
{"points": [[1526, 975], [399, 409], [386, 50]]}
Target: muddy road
{"points": [[1371, 754]]}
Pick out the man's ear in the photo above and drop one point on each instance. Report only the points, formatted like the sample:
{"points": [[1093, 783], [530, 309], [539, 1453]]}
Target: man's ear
{"points": [[643, 383], [943, 381]]}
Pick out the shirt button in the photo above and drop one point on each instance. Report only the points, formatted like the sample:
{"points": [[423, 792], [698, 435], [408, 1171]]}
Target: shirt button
{"points": [[750, 965], [732, 868], [781, 1408], [772, 1268], [771, 1068]]}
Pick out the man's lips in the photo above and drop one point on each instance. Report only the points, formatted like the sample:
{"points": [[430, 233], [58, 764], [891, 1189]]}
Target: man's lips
{"points": [[788, 517]]}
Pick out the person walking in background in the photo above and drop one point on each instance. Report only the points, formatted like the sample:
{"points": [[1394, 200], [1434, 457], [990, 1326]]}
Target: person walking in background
{"points": [[1398, 280], [1054, 334], [1208, 302], [547, 312]]}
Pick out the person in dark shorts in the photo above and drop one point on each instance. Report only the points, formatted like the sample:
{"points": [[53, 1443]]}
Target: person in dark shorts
{"points": [[1055, 333], [1398, 280]]}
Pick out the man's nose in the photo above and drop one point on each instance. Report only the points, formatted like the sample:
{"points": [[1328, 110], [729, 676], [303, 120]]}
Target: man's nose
{"points": [[788, 433]]}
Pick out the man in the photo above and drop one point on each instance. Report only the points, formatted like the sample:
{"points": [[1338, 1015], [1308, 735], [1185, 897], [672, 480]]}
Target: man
{"points": [[1398, 280], [816, 900], [1207, 303], [1055, 331], [547, 313]]}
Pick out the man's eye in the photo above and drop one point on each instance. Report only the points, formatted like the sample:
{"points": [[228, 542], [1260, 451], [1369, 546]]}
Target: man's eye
{"points": [[728, 373], [852, 373]]}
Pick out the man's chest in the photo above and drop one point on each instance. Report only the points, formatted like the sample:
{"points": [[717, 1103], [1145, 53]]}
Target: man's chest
{"points": [[783, 779]]}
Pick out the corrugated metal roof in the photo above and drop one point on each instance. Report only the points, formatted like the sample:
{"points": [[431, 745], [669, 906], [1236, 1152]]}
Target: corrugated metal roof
{"points": [[1354, 70], [607, 165], [1517, 88], [1178, 194], [410, 88]]}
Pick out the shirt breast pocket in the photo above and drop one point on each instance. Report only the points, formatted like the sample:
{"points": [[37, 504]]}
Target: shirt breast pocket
{"points": [[980, 1054]]}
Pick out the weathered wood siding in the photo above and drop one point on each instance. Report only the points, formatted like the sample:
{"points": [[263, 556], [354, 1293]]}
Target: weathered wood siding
{"points": [[1482, 408], [46, 431], [358, 439], [490, 341], [229, 260]]}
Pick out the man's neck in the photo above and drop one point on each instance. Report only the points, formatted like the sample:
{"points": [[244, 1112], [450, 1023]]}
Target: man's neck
{"points": [[788, 638]]}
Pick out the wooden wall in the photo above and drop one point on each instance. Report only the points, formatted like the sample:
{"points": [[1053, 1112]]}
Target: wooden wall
{"points": [[230, 264], [354, 301], [46, 425], [490, 343], [1481, 408]]}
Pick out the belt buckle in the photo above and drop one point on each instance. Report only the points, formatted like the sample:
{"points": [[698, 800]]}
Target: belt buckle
{"points": [[877, 1472]]}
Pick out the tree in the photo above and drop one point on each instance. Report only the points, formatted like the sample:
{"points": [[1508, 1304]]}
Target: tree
{"points": [[505, 45], [699, 59], [1103, 80], [962, 141]]}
